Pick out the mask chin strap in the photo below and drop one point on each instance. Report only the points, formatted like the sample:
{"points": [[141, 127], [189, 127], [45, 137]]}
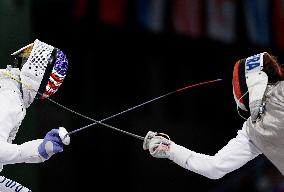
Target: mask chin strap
{"points": [[238, 106]]}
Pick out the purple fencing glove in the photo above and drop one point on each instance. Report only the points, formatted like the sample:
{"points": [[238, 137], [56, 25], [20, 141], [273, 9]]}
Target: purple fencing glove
{"points": [[51, 144]]}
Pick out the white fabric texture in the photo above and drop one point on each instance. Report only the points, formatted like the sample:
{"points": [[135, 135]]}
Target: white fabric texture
{"points": [[257, 83], [12, 112], [268, 131], [24, 153], [234, 155]]}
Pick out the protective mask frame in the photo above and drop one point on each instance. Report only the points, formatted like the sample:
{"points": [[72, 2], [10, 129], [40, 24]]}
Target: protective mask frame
{"points": [[33, 70], [256, 81]]}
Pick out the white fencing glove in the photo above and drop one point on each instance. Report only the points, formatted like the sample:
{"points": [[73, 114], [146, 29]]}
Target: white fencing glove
{"points": [[53, 143], [147, 139], [158, 144]]}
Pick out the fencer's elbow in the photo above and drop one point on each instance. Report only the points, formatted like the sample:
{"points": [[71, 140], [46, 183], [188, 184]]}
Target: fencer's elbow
{"points": [[212, 173], [215, 176], [215, 170]]}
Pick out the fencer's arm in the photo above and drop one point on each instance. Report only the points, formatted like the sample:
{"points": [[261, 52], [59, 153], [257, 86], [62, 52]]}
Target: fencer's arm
{"points": [[10, 116], [234, 155], [34, 151], [24, 153]]}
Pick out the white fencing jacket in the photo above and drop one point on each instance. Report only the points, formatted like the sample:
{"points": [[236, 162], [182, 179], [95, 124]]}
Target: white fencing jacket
{"points": [[235, 154], [12, 112], [265, 136]]}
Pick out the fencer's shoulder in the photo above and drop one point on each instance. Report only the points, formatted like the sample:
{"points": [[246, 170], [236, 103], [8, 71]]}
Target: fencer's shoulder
{"points": [[9, 70], [9, 93], [276, 90], [7, 83], [10, 100], [280, 84]]}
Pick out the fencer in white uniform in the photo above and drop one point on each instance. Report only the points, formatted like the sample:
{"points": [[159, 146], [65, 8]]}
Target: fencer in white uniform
{"points": [[258, 88], [38, 72]]}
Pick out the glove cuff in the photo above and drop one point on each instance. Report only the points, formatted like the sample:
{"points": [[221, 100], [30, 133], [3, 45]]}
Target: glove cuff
{"points": [[30, 153], [42, 151], [45, 149], [178, 154]]}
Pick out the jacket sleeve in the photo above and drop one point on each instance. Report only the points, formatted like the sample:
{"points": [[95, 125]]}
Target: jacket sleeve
{"points": [[235, 154], [11, 112], [11, 115], [24, 153]]}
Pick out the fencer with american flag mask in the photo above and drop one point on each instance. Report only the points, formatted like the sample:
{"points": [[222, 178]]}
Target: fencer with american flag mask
{"points": [[38, 72], [258, 88]]}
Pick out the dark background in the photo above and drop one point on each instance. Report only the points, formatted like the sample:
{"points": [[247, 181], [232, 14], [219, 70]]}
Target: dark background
{"points": [[113, 68]]}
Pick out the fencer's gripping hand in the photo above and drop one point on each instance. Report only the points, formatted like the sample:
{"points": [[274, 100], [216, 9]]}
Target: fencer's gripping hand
{"points": [[158, 144], [52, 143], [147, 139]]}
